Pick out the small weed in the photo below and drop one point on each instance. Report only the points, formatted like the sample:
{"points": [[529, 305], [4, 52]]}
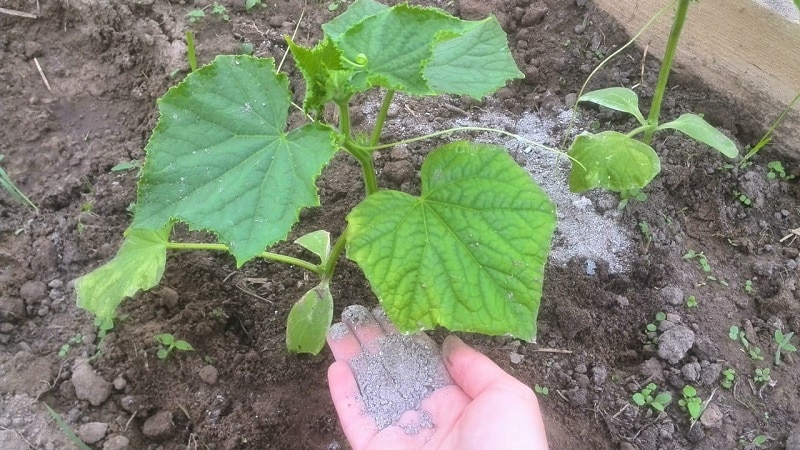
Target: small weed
{"points": [[761, 376], [757, 442], [128, 165], [221, 11], [644, 227], [168, 343], [691, 302], [16, 194], [64, 350], [649, 396], [653, 326], [630, 194], [701, 259], [334, 5], [748, 286], [691, 402], [541, 390], [250, 4], [743, 199], [728, 378], [196, 15], [776, 171], [752, 351], [784, 342]]}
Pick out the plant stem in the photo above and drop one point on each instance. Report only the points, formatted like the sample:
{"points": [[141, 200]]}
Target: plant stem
{"points": [[190, 51], [768, 135], [376, 133], [363, 155], [666, 65], [265, 255], [327, 271], [638, 130]]}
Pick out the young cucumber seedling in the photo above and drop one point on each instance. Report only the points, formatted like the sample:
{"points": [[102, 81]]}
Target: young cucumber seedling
{"points": [[468, 253], [599, 157]]}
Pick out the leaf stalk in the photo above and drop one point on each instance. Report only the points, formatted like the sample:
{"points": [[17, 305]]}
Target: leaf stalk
{"points": [[265, 255]]}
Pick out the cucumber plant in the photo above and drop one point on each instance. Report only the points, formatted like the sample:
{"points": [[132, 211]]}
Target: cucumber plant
{"points": [[468, 253], [601, 158]]}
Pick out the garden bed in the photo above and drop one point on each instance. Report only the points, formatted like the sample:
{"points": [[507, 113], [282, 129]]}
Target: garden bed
{"points": [[611, 271]]}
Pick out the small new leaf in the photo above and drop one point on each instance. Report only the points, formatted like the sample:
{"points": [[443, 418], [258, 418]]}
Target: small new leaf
{"points": [[698, 129], [317, 242], [616, 98]]}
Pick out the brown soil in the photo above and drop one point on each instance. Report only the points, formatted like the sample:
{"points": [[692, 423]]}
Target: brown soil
{"points": [[107, 63]]}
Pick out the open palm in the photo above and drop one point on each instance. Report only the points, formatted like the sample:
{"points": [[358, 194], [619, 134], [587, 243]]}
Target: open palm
{"points": [[483, 408]]}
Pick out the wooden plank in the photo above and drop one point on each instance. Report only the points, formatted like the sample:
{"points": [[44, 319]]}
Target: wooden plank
{"points": [[736, 46]]}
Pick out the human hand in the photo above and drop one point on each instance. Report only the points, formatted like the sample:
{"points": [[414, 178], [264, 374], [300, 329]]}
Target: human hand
{"points": [[463, 399]]}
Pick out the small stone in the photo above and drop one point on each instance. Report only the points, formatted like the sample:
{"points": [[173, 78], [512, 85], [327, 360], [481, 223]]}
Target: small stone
{"points": [[398, 171], [582, 380], [132, 403], [159, 425], [580, 368], [6, 328], [651, 368], [695, 434], [11, 307], [399, 153], [120, 383], [515, 357], [674, 343], [711, 417], [672, 295], [534, 15], [599, 375], [577, 396], [691, 372], [627, 446], [92, 432], [88, 385], [710, 374], [168, 296], [116, 442], [33, 292], [55, 284], [209, 374]]}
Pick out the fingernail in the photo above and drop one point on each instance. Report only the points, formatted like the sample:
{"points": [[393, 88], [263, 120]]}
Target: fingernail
{"points": [[355, 315], [450, 343]]}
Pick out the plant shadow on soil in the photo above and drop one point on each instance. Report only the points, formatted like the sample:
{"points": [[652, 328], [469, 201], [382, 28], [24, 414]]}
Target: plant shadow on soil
{"points": [[107, 62]]}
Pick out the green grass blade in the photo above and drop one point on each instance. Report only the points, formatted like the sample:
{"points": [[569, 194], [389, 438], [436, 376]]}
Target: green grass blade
{"points": [[66, 429], [8, 185]]}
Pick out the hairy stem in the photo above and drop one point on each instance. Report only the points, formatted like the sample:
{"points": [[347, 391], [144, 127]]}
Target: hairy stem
{"points": [[327, 271], [376, 133], [363, 155], [190, 51], [265, 255], [666, 65]]}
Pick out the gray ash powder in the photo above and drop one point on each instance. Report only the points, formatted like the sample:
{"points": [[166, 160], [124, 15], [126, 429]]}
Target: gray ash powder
{"points": [[403, 372]]}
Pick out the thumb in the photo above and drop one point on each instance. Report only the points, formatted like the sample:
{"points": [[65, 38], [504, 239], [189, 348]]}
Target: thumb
{"points": [[472, 371]]}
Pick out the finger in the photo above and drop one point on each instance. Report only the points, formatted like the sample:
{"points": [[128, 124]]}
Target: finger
{"points": [[343, 343], [363, 325], [357, 426], [472, 371]]}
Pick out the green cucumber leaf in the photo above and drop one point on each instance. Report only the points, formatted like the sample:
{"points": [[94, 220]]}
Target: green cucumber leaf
{"points": [[452, 70], [425, 51], [616, 98], [138, 265], [355, 13], [221, 160], [468, 254], [698, 129], [309, 320], [317, 242], [612, 161]]}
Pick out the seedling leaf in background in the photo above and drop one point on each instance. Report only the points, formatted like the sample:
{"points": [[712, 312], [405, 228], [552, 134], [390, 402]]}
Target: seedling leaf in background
{"points": [[309, 320], [221, 160], [698, 129], [611, 160], [16, 194], [139, 265], [468, 254], [616, 98]]}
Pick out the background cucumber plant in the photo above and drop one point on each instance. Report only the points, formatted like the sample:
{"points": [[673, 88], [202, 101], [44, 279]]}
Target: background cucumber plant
{"points": [[468, 253], [604, 159]]}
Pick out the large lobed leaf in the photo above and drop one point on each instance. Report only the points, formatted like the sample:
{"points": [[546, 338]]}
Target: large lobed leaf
{"points": [[468, 254], [138, 265], [612, 161], [221, 160], [421, 51]]}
